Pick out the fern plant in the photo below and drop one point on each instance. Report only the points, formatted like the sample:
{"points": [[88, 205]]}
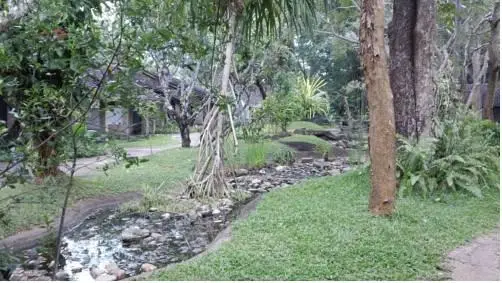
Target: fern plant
{"points": [[460, 158]]}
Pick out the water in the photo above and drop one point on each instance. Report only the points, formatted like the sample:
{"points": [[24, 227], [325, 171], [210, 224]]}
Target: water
{"points": [[97, 241]]}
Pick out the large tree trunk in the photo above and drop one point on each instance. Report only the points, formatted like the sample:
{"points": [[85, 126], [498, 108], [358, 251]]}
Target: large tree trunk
{"points": [[425, 31], [381, 109], [401, 65], [494, 64], [185, 134], [412, 34], [47, 163]]}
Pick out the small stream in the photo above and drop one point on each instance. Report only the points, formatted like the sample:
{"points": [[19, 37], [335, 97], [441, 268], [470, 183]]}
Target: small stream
{"points": [[113, 245], [129, 240]]}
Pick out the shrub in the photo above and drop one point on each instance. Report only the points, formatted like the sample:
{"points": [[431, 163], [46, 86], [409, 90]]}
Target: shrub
{"points": [[311, 99], [279, 111], [462, 157], [285, 156]]}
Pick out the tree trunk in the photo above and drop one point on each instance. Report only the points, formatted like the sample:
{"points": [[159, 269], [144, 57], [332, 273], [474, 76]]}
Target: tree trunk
{"points": [[494, 64], [102, 117], [401, 65], [412, 33], [382, 125], [47, 163], [425, 30], [185, 134]]}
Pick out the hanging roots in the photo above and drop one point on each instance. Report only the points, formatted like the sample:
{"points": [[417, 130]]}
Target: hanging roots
{"points": [[209, 177]]}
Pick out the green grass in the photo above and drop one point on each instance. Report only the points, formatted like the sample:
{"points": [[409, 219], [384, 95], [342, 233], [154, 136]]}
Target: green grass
{"points": [[321, 230], [304, 125], [321, 145], [255, 155], [152, 141]]}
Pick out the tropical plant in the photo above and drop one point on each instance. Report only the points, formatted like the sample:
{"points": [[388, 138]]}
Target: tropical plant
{"points": [[279, 111], [460, 158], [310, 97]]}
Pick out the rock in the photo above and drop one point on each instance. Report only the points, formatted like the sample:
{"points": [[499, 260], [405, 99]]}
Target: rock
{"points": [[31, 264], [262, 171], [132, 234], [166, 216], [267, 185], [216, 211], [77, 267], [307, 160], [17, 275], [241, 172], [106, 277], [280, 168], [62, 276], [96, 272], [153, 209], [205, 210], [320, 164], [113, 269], [147, 267], [256, 181], [156, 235]]}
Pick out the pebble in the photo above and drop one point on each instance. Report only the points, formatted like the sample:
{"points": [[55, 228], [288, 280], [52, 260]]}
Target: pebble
{"points": [[147, 267]]}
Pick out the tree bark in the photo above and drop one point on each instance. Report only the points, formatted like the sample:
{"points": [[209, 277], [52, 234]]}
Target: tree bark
{"points": [[185, 134], [412, 33], [494, 64], [425, 30], [381, 109], [401, 65]]}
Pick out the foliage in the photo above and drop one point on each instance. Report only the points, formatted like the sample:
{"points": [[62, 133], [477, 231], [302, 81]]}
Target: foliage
{"points": [[278, 111], [311, 99], [89, 143], [259, 154], [321, 230], [462, 157]]}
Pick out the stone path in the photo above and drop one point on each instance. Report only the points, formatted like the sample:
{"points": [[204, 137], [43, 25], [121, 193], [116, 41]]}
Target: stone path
{"points": [[90, 166], [477, 261]]}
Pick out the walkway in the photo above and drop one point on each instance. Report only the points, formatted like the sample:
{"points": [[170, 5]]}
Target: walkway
{"points": [[88, 166], [478, 261]]}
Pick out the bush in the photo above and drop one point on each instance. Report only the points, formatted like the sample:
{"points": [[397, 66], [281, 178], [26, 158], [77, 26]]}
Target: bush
{"points": [[463, 157], [279, 111]]}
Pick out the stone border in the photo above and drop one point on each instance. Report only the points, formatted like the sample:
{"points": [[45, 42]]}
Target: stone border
{"points": [[74, 216]]}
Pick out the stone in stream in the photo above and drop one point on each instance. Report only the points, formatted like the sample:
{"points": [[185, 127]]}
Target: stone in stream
{"points": [[216, 211], [280, 168], [96, 272], [320, 164], [241, 172], [76, 267], [166, 216], [132, 234], [62, 276], [147, 267], [113, 269]]}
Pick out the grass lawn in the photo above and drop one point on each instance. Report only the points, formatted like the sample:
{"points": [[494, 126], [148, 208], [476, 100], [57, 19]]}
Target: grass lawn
{"points": [[321, 230], [304, 125], [320, 144], [152, 141]]}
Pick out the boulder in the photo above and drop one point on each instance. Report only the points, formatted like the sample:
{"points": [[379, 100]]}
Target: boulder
{"points": [[280, 168], [147, 267], [166, 216], [76, 267], [205, 210], [132, 234], [216, 212], [96, 272], [320, 164], [241, 172], [113, 269], [62, 276]]}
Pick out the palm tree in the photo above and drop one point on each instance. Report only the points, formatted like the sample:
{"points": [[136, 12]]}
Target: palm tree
{"points": [[258, 18]]}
